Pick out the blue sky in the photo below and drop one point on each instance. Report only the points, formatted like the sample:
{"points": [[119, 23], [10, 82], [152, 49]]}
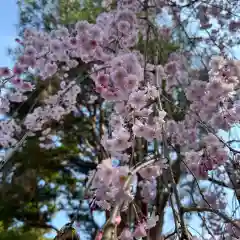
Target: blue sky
{"points": [[8, 20]]}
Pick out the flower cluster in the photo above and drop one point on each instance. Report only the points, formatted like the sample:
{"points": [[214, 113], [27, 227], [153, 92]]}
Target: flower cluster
{"points": [[208, 158], [108, 183]]}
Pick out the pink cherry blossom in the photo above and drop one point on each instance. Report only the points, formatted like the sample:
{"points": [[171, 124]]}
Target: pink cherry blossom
{"points": [[140, 231], [126, 234]]}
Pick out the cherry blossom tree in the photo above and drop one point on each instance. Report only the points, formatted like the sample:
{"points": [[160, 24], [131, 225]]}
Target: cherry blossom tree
{"points": [[161, 152]]}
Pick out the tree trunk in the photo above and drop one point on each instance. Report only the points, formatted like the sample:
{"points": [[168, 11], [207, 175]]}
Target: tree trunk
{"points": [[162, 198]]}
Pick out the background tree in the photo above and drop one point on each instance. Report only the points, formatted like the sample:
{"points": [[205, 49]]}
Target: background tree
{"points": [[22, 234], [48, 175]]}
